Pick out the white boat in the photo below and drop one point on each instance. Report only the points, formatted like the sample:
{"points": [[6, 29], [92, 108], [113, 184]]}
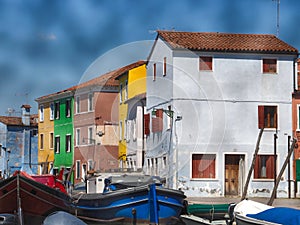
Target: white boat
{"points": [[249, 212]]}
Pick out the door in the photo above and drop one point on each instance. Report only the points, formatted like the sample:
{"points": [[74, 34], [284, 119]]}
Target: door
{"points": [[232, 165]]}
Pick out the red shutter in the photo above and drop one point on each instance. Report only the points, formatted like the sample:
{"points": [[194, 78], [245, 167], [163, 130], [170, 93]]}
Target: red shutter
{"points": [[147, 124], [261, 115], [256, 167], [270, 167], [159, 115]]}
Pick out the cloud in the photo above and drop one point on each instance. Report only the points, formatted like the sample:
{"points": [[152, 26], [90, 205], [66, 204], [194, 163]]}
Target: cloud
{"points": [[47, 37]]}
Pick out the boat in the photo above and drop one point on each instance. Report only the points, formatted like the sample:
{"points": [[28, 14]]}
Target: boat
{"points": [[62, 218], [248, 212], [131, 204], [196, 220], [32, 198], [209, 211]]}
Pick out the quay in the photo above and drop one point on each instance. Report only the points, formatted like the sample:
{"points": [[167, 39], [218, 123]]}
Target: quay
{"points": [[283, 202]]}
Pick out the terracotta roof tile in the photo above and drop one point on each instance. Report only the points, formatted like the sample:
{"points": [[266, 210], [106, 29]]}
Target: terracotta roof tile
{"points": [[206, 41], [17, 121], [107, 79]]}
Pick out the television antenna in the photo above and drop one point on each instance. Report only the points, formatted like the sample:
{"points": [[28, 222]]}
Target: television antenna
{"points": [[278, 10]]}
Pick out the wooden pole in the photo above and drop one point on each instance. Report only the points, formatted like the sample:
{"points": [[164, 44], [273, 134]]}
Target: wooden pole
{"points": [[291, 150], [252, 164]]}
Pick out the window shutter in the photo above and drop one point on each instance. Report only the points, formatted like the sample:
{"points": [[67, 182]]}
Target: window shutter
{"points": [[270, 167], [261, 121], [256, 167], [147, 124]]}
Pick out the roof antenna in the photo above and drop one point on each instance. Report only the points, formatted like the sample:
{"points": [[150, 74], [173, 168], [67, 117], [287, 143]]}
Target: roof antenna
{"points": [[277, 30]]}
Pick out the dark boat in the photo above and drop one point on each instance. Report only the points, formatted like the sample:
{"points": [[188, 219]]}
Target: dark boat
{"points": [[31, 200], [145, 204]]}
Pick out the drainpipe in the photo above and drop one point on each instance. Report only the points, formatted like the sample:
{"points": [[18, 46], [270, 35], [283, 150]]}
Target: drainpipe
{"points": [[178, 118]]}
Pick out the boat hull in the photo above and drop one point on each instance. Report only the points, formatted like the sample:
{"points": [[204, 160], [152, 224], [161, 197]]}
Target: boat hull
{"points": [[31, 200], [133, 205], [244, 220]]}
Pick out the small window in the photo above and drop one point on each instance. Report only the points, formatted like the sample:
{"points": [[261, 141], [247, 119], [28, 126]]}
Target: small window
{"points": [[154, 71], [77, 104], [57, 110], [264, 167], [157, 121], [77, 137], [204, 166], [68, 108], [267, 117], [77, 169], [90, 102], [121, 93], [51, 137], [90, 136], [147, 124], [51, 116], [165, 66], [120, 131], [269, 65], [205, 63], [68, 143], [298, 117], [41, 141], [41, 113], [57, 145], [126, 90]]}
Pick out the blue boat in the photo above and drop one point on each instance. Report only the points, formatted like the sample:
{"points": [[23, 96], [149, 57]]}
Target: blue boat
{"points": [[144, 204]]}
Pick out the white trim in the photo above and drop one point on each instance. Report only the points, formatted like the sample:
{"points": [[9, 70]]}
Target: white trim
{"points": [[298, 117], [77, 169], [90, 102], [42, 113], [78, 135], [77, 104], [42, 141], [51, 111], [51, 141]]}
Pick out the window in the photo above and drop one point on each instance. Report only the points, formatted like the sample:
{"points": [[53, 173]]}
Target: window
{"points": [[68, 108], [267, 116], [57, 110], [264, 167], [203, 166], [298, 117], [121, 93], [154, 71], [51, 137], [90, 164], [157, 121], [165, 66], [41, 141], [147, 124], [68, 143], [125, 129], [120, 131], [90, 102], [77, 104], [90, 136], [77, 137], [269, 65], [57, 145], [205, 63], [126, 90], [41, 113], [77, 169], [51, 116]]}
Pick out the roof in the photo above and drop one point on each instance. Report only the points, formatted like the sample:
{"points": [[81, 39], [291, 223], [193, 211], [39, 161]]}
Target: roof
{"points": [[107, 80], [229, 42], [17, 121]]}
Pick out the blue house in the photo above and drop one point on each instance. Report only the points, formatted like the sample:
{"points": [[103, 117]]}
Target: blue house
{"points": [[18, 143]]}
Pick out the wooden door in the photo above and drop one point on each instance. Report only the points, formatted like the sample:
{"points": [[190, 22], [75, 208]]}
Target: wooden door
{"points": [[231, 179], [232, 174]]}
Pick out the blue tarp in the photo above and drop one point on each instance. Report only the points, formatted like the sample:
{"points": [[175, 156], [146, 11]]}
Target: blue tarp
{"points": [[281, 215]]}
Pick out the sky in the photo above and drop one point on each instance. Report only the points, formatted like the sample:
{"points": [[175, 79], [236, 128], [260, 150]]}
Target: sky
{"points": [[50, 45]]}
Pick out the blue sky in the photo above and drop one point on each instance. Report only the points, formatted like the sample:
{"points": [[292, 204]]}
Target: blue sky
{"points": [[48, 45]]}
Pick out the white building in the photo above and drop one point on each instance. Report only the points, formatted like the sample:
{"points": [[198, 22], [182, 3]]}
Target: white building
{"points": [[207, 96]]}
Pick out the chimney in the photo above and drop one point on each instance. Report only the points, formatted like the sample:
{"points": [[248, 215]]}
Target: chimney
{"points": [[26, 114]]}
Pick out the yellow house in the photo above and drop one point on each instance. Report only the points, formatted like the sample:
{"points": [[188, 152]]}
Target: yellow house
{"points": [[132, 95], [46, 135]]}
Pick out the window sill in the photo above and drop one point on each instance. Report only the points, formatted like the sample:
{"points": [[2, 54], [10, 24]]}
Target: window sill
{"points": [[204, 179], [263, 180]]}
